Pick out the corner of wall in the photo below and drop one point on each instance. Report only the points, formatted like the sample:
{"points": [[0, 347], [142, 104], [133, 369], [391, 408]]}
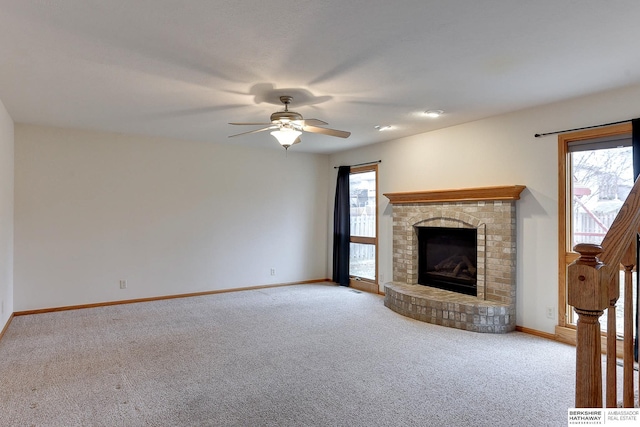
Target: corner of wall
{"points": [[6, 216]]}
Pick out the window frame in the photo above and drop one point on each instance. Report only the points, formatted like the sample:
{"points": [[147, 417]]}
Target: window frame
{"points": [[363, 283], [565, 330]]}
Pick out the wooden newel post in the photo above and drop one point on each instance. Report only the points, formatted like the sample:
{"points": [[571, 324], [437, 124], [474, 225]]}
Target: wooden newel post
{"points": [[588, 293]]}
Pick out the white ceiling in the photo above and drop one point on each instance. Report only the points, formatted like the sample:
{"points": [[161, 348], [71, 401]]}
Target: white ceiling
{"points": [[184, 69]]}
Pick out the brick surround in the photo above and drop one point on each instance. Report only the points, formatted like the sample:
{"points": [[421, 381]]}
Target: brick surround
{"points": [[493, 310]]}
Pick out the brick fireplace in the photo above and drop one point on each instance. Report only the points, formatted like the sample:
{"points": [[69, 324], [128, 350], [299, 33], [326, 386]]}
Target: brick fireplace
{"points": [[491, 212]]}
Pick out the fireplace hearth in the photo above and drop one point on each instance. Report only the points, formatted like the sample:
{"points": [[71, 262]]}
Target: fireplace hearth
{"points": [[447, 258]]}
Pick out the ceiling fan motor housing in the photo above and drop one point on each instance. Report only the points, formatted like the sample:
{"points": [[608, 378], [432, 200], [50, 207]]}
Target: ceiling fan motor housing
{"points": [[285, 116]]}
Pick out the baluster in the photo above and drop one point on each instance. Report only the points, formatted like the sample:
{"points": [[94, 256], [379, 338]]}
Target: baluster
{"points": [[588, 294], [628, 261], [612, 367]]}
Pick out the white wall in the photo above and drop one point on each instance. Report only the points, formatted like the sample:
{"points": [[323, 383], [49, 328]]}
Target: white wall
{"points": [[500, 150], [6, 216], [168, 216]]}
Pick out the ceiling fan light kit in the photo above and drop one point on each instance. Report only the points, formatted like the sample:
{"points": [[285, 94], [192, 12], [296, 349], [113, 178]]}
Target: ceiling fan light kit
{"points": [[287, 126], [286, 136]]}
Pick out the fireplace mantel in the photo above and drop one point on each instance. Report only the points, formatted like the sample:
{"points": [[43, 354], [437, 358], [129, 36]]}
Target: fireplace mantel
{"points": [[506, 192]]}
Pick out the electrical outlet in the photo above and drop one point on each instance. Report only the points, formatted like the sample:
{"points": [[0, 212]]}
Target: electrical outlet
{"points": [[550, 313], [273, 271], [381, 275], [123, 284]]}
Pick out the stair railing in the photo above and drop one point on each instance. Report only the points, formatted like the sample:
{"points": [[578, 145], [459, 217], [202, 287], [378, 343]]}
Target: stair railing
{"points": [[593, 286]]}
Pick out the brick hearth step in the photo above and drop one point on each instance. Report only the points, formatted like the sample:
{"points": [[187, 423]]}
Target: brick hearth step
{"points": [[447, 308]]}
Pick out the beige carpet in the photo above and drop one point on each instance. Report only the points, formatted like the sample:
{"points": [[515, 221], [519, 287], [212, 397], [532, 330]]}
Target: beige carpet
{"points": [[305, 355]]}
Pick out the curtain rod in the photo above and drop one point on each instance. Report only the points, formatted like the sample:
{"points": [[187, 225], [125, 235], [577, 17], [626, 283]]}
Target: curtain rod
{"points": [[538, 135], [361, 164]]}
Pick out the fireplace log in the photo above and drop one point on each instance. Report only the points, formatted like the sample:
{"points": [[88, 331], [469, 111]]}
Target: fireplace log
{"points": [[470, 266], [457, 269], [456, 264], [447, 264]]}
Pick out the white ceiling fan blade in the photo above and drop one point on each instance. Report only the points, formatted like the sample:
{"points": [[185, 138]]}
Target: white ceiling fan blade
{"points": [[254, 131], [313, 122], [325, 131], [252, 124]]}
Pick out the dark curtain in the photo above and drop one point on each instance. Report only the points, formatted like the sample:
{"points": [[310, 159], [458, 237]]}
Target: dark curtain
{"points": [[341, 228], [635, 138]]}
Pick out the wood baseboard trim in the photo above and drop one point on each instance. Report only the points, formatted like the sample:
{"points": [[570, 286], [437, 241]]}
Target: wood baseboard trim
{"points": [[566, 335], [6, 326], [537, 333], [164, 297], [364, 286]]}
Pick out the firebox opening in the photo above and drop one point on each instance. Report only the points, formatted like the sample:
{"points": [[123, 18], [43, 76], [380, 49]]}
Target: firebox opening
{"points": [[447, 258]]}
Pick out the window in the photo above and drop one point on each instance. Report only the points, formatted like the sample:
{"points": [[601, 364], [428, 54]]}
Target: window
{"points": [[596, 176], [601, 177], [363, 194]]}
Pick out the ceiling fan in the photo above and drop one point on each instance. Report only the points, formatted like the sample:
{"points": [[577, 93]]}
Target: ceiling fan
{"points": [[286, 126]]}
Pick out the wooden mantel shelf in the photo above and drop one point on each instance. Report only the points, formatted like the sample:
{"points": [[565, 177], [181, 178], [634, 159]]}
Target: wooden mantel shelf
{"points": [[506, 192]]}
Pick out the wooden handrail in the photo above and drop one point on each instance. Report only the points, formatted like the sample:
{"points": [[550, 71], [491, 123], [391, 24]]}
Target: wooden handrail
{"points": [[622, 231], [593, 286]]}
